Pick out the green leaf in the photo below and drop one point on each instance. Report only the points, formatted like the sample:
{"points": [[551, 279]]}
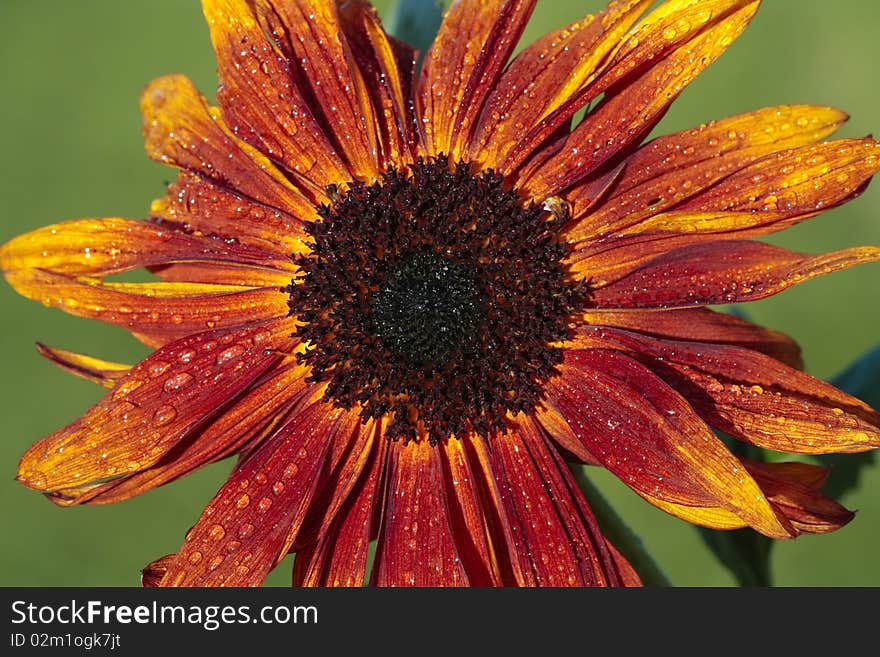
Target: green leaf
{"points": [[620, 535], [861, 379], [415, 21], [744, 552]]}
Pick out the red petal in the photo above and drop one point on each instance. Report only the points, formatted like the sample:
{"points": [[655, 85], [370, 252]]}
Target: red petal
{"points": [[555, 539], [416, 544], [309, 34], [247, 528], [98, 247], [388, 67], [716, 273], [339, 558], [200, 205], [157, 312], [157, 403], [669, 32], [630, 111], [753, 397], [669, 170], [649, 436], [181, 130], [702, 325], [469, 53], [545, 75], [792, 490], [247, 420]]}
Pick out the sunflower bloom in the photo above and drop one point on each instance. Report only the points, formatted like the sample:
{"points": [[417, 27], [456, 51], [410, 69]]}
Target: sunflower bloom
{"points": [[405, 302]]}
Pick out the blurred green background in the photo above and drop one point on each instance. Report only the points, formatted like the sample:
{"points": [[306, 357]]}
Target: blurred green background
{"points": [[70, 147]]}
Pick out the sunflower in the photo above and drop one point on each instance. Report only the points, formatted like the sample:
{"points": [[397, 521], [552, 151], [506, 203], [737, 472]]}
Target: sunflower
{"points": [[407, 300]]}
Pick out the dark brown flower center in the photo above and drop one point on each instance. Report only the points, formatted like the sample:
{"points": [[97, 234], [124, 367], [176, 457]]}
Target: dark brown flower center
{"points": [[434, 298]]}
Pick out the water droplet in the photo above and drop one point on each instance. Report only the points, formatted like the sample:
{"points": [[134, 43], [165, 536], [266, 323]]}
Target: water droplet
{"points": [[277, 487], [228, 355], [158, 368], [264, 504], [232, 546], [216, 532], [195, 557], [186, 355], [290, 471], [164, 415], [246, 531], [215, 562], [178, 382]]}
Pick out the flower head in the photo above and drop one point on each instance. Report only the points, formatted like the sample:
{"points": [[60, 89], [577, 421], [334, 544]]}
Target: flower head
{"points": [[406, 302]]}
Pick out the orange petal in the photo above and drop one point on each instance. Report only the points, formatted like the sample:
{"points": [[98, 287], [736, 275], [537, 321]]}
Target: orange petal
{"points": [[388, 67], [751, 396], [199, 205], [416, 544], [462, 67], [546, 74], [260, 99], [309, 34], [249, 525], [340, 555], [556, 539], [221, 273], [712, 273], [159, 312], [155, 405], [629, 112], [247, 420], [675, 30], [98, 371], [97, 247], [750, 203], [181, 130], [648, 435], [669, 170], [702, 325]]}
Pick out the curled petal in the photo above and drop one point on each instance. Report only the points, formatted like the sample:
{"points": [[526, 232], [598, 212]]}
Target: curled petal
{"points": [[249, 525], [102, 372], [416, 544], [716, 273], [671, 169], [751, 396], [462, 67], [793, 489], [154, 571], [157, 312], [153, 406], [648, 435]]}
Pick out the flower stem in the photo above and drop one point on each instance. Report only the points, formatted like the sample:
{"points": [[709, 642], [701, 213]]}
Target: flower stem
{"points": [[616, 531]]}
